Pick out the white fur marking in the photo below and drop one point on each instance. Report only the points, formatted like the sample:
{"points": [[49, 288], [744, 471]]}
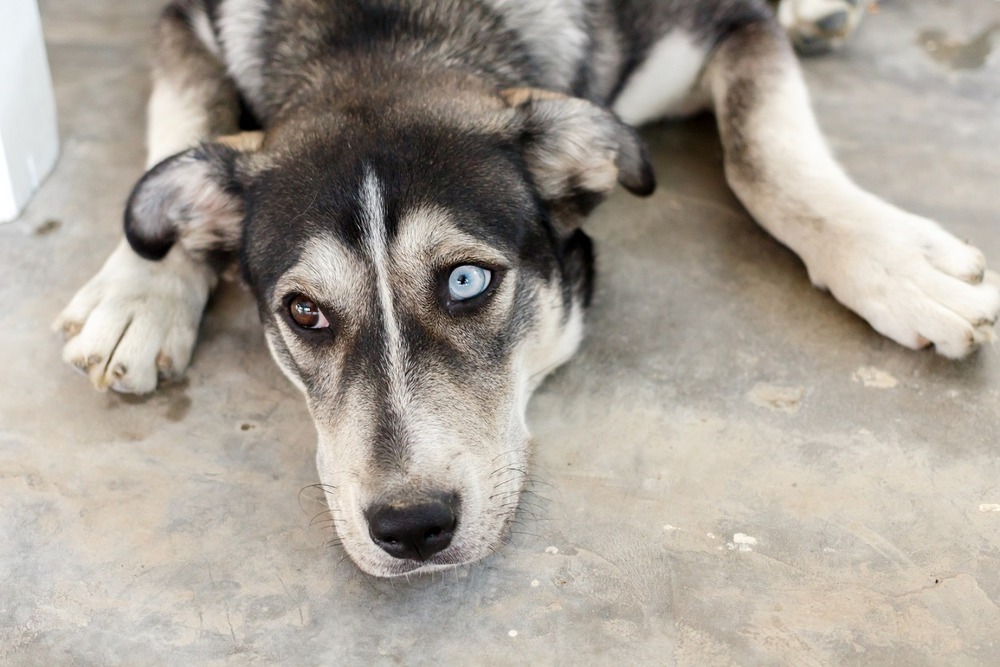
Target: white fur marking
{"points": [[792, 11], [557, 340], [241, 23], [203, 29], [373, 219], [176, 121], [665, 82]]}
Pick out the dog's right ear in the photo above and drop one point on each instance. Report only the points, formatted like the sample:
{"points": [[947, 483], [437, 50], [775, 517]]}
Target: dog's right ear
{"points": [[194, 198]]}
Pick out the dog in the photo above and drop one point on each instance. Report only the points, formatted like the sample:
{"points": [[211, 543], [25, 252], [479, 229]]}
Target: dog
{"points": [[409, 212]]}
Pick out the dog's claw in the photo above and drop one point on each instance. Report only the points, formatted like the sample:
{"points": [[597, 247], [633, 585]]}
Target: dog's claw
{"points": [[975, 278], [69, 328], [164, 363]]}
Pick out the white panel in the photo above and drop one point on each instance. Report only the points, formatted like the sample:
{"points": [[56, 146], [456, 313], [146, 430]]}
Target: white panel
{"points": [[29, 140]]}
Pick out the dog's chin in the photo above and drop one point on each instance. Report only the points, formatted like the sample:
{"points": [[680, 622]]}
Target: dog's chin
{"points": [[385, 566]]}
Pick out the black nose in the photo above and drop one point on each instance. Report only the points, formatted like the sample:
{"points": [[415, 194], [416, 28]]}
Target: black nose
{"points": [[414, 530]]}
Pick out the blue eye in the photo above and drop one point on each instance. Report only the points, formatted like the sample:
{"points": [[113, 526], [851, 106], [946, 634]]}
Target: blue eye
{"points": [[468, 281]]}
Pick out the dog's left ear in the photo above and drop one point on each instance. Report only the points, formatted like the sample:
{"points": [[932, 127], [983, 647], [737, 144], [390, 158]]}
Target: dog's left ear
{"points": [[577, 151], [194, 198]]}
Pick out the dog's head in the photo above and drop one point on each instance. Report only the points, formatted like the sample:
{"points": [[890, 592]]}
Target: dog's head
{"points": [[418, 272]]}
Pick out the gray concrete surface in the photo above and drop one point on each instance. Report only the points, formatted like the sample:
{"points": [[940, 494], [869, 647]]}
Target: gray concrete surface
{"points": [[734, 470]]}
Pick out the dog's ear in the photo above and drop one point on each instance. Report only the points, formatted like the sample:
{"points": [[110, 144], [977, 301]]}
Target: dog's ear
{"points": [[577, 151], [194, 198]]}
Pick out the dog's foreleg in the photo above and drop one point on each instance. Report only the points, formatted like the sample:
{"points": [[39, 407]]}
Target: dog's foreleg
{"points": [[137, 320], [910, 279]]}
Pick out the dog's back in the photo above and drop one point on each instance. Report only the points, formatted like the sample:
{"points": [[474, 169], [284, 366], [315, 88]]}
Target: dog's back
{"points": [[275, 50]]}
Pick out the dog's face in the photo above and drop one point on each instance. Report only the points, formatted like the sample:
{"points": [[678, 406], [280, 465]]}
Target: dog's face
{"points": [[417, 277], [416, 301]]}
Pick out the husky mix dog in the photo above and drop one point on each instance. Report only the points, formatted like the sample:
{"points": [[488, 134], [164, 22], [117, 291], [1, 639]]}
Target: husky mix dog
{"points": [[408, 216]]}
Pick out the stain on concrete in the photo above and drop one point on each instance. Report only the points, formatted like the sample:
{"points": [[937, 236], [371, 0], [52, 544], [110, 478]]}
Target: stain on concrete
{"points": [[171, 395], [874, 378], [777, 397], [958, 54], [48, 227], [116, 400], [178, 405]]}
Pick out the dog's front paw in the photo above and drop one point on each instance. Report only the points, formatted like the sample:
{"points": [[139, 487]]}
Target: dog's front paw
{"points": [[136, 321], [815, 26], [913, 282]]}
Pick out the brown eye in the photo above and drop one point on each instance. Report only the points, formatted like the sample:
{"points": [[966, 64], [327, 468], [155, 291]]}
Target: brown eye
{"points": [[306, 313]]}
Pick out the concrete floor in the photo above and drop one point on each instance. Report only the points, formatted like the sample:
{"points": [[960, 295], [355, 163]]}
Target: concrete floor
{"points": [[734, 469]]}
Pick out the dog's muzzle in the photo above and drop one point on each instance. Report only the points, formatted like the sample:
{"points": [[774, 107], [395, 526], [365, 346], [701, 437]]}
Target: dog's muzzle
{"points": [[414, 529]]}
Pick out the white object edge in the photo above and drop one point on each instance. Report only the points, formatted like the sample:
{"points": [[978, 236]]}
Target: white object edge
{"points": [[29, 136]]}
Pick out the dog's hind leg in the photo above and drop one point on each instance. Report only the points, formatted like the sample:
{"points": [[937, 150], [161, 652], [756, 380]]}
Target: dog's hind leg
{"points": [[815, 26], [911, 280], [136, 320]]}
